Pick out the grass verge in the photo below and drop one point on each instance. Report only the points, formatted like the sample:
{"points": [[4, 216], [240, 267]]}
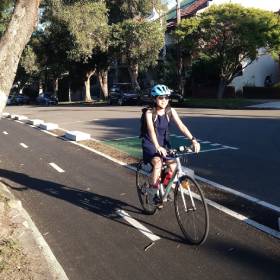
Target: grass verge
{"points": [[226, 103]]}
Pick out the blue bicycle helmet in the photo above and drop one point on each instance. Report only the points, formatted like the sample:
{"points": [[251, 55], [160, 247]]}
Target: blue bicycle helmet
{"points": [[159, 90]]}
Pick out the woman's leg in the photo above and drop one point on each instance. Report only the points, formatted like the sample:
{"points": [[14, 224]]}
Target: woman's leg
{"points": [[157, 165], [171, 165]]}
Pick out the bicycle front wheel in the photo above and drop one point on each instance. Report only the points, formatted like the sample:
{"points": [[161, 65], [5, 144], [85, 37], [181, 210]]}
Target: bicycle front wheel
{"points": [[142, 186], [191, 210]]}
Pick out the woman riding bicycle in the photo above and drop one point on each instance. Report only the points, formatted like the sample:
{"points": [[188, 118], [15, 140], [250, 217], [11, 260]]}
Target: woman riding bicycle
{"points": [[155, 139]]}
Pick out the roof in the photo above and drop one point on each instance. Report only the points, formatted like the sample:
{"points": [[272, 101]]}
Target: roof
{"points": [[172, 13], [188, 8]]}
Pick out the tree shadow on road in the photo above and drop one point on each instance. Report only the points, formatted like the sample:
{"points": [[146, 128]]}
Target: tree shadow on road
{"points": [[98, 204]]}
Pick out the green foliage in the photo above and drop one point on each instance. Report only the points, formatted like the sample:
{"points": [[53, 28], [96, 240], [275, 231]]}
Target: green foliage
{"points": [[87, 24], [6, 9], [120, 10], [139, 41], [205, 70], [230, 35], [29, 61]]}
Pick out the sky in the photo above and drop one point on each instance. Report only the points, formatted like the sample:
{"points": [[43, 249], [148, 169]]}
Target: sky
{"points": [[272, 5]]}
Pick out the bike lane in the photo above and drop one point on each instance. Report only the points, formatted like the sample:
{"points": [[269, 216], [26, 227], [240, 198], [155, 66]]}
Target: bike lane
{"points": [[77, 211]]}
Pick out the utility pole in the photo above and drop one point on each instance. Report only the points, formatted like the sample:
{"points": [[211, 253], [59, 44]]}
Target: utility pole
{"points": [[179, 51], [178, 11]]}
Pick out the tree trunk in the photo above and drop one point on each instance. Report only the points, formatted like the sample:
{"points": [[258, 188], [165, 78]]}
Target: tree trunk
{"points": [[221, 89], [69, 91], [55, 86], [87, 97], [133, 71], [103, 81], [12, 43]]}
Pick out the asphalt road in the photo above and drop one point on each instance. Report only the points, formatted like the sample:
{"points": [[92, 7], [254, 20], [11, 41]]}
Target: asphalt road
{"points": [[76, 211], [252, 169]]}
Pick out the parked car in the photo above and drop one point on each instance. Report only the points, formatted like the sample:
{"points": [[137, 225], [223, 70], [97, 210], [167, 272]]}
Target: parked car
{"points": [[11, 100], [46, 99], [22, 99], [146, 98], [17, 99], [123, 93]]}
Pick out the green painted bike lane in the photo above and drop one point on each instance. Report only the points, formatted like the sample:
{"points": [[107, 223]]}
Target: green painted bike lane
{"points": [[132, 145]]}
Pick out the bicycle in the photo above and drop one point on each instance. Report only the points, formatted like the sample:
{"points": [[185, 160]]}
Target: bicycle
{"points": [[190, 207]]}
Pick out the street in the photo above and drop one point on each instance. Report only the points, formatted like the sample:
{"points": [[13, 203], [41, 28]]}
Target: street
{"points": [[74, 197], [251, 169]]}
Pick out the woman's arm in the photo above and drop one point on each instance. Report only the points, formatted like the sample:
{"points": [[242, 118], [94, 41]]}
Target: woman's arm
{"points": [[185, 130], [180, 124]]}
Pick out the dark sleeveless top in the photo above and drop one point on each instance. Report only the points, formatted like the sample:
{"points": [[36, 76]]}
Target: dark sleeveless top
{"points": [[161, 128]]}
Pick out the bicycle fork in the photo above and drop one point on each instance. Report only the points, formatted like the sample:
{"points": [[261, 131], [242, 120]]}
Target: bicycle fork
{"points": [[182, 190]]}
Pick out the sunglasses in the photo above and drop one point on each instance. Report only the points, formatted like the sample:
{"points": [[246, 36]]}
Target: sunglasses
{"points": [[163, 97]]}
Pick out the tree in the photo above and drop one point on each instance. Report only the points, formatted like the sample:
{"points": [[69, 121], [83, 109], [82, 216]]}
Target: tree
{"points": [[120, 10], [232, 36], [12, 43], [139, 42], [87, 25]]}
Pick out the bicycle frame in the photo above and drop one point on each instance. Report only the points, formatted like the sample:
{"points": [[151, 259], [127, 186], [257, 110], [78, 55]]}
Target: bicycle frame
{"points": [[176, 175]]}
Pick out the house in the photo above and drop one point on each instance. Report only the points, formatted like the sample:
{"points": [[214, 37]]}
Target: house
{"points": [[257, 72], [265, 66]]}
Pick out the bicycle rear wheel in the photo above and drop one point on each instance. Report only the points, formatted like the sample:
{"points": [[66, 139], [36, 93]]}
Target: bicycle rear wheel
{"points": [[142, 186], [191, 210]]}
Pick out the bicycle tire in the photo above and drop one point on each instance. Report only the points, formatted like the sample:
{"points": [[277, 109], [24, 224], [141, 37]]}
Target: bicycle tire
{"points": [[193, 222], [142, 184]]}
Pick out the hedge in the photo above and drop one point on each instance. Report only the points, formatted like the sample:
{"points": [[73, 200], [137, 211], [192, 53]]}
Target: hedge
{"points": [[261, 92]]}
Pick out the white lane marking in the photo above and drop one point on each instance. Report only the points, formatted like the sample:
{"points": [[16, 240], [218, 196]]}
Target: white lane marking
{"points": [[5, 132], [137, 225], [240, 194], [245, 219], [210, 150], [229, 147], [24, 146], [56, 167]]}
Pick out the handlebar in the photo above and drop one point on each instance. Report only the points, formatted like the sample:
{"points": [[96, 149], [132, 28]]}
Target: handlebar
{"points": [[180, 151]]}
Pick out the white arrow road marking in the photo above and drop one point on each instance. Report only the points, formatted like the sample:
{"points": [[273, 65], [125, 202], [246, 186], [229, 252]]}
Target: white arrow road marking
{"points": [[137, 225], [5, 132], [56, 167], [24, 146]]}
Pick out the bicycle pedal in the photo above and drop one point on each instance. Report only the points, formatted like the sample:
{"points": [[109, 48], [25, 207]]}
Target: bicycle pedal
{"points": [[159, 206]]}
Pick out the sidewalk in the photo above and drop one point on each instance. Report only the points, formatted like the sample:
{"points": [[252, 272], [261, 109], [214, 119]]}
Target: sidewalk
{"points": [[267, 105], [24, 253]]}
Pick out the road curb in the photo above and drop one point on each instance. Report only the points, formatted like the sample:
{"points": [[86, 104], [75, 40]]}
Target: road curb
{"points": [[31, 239]]}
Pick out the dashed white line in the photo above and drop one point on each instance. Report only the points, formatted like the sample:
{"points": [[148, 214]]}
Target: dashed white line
{"points": [[24, 146], [229, 147], [5, 132], [56, 167], [137, 225], [210, 150]]}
